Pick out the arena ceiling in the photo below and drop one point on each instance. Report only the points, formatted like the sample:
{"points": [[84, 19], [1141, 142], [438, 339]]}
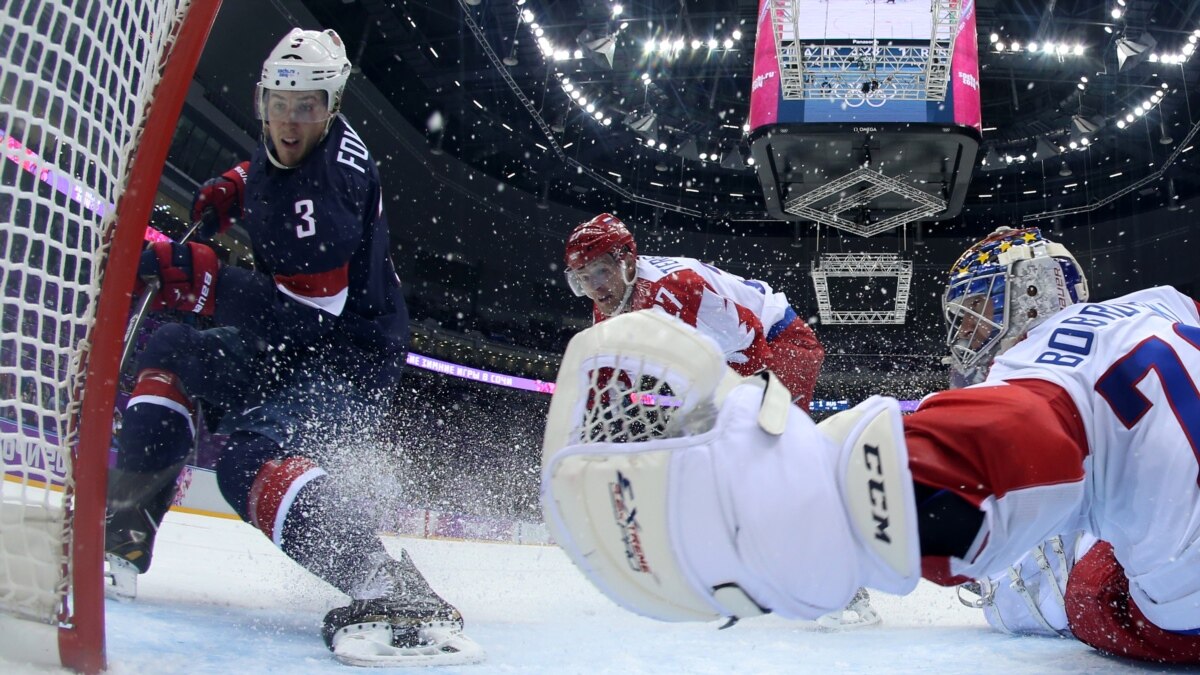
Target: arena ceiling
{"points": [[473, 75]]}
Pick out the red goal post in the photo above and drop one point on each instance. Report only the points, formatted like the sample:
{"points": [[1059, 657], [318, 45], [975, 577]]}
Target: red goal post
{"points": [[90, 93]]}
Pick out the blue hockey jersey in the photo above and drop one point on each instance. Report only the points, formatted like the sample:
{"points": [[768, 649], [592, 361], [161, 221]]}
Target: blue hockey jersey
{"points": [[324, 290]]}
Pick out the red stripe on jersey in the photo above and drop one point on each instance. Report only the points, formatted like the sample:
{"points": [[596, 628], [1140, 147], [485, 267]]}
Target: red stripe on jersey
{"points": [[161, 383], [269, 488], [985, 442], [318, 285]]}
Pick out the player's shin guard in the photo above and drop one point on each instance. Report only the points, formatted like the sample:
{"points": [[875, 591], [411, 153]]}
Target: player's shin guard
{"points": [[395, 617], [156, 437]]}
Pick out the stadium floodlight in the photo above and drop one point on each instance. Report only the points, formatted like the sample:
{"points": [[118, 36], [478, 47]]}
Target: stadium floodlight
{"points": [[644, 123], [598, 49], [1132, 52], [1044, 149]]}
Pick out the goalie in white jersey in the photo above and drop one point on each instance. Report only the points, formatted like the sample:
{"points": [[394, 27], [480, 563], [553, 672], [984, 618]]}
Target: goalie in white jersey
{"points": [[1089, 420]]}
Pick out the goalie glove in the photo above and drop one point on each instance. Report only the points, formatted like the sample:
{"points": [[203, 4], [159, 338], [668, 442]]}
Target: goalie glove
{"points": [[741, 506]]}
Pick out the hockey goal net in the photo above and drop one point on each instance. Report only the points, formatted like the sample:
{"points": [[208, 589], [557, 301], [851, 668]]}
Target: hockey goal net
{"points": [[90, 92]]}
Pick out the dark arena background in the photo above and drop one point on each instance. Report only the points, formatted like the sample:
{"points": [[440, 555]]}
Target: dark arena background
{"points": [[489, 157]]}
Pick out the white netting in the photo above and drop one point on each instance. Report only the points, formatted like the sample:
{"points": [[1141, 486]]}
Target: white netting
{"points": [[629, 404], [75, 79]]}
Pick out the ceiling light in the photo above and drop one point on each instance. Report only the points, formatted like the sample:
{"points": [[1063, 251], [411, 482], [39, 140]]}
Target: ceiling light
{"points": [[1120, 124], [1132, 52], [727, 44], [995, 38], [712, 43], [696, 44], [1116, 13], [737, 35], [616, 10], [1033, 46], [599, 49], [527, 16], [1077, 50], [1064, 170]]}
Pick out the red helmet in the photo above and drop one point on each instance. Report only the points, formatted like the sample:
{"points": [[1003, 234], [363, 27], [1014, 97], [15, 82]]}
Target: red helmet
{"points": [[603, 234]]}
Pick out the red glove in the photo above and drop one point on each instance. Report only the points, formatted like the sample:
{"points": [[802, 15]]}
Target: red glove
{"points": [[188, 273], [1101, 614], [218, 203]]}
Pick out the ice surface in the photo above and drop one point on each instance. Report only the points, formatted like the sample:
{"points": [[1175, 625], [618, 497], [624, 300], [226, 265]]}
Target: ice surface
{"points": [[220, 598]]}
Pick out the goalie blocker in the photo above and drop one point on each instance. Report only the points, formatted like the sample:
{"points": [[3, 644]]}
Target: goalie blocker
{"points": [[704, 502]]}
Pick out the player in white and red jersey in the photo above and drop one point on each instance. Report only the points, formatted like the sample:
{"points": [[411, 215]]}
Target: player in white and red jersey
{"points": [[1089, 420], [755, 327]]}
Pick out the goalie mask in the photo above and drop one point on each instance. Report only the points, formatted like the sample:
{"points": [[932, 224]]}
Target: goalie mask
{"points": [[1001, 288]]}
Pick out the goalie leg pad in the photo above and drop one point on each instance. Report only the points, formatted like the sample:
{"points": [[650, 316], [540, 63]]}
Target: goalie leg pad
{"points": [[878, 493]]}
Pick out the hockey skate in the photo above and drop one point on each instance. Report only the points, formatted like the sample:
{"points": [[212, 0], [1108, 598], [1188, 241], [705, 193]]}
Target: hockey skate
{"points": [[405, 624], [857, 614], [129, 531]]}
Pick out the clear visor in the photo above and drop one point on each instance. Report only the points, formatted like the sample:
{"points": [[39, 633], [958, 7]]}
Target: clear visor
{"points": [[600, 274], [974, 309], [285, 105]]}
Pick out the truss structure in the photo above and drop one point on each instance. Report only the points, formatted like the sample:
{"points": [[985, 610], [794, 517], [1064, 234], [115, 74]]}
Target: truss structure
{"points": [[867, 265], [860, 73], [815, 205]]}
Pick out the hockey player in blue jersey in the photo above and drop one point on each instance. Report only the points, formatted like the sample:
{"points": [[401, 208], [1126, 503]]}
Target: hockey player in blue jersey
{"points": [[309, 349]]}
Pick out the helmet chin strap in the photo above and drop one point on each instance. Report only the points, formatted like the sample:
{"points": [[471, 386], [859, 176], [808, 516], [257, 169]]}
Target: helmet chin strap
{"points": [[629, 281]]}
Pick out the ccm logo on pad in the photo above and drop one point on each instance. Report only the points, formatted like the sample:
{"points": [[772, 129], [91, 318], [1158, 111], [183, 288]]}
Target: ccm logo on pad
{"points": [[877, 491]]}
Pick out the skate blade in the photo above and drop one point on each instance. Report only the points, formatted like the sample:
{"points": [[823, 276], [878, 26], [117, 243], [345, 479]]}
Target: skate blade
{"points": [[369, 646], [120, 578]]}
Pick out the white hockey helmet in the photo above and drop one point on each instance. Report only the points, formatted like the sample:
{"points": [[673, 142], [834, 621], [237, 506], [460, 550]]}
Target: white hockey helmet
{"points": [[306, 60], [1001, 288]]}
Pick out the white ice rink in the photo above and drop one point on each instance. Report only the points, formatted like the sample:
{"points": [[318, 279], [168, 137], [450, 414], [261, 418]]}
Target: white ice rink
{"points": [[221, 599]]}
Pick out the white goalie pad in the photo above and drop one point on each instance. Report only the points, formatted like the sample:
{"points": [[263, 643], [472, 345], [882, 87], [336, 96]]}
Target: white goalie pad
{"points": [[685, 492], [877, 488]]}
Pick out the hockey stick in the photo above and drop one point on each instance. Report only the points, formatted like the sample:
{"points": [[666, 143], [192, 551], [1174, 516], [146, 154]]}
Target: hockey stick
{"points": [[142, 306]]}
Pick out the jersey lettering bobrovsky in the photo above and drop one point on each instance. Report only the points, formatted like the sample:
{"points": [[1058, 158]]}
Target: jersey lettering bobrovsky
{"points": [[1115, 381]]}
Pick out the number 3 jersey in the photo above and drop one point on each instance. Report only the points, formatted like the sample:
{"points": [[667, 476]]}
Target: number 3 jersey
{"points": [[324, 286], [1091, 422]]}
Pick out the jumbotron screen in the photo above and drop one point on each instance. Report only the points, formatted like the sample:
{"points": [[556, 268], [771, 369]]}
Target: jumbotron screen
{"points": [[859, 24]]}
